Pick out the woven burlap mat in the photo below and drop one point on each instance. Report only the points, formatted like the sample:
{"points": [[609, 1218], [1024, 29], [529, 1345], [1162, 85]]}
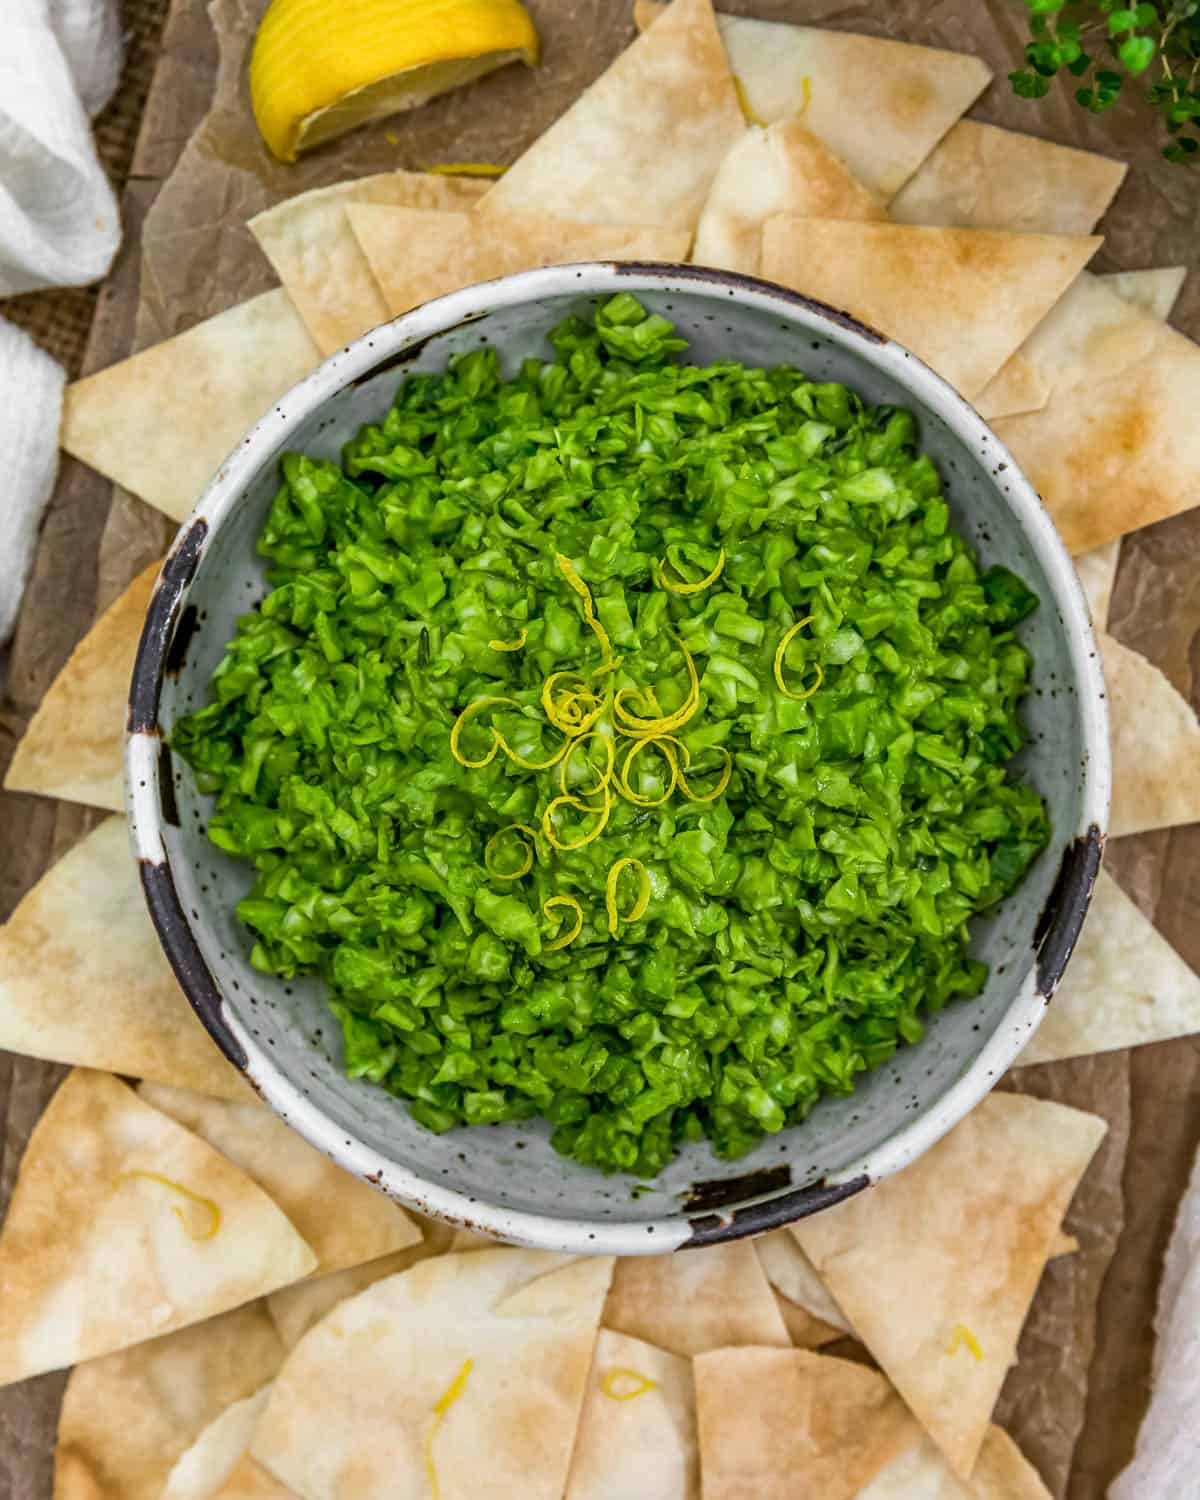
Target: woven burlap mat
{"points": [[59, 320]]}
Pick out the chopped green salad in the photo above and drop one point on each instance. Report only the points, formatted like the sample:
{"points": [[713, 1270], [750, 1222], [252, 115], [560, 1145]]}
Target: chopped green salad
{"points": [[623, 743]]}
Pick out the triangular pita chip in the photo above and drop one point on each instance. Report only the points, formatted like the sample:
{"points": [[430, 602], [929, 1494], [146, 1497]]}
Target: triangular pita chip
{"points": [[83, 978], [1025, 382], [637, 1430], [416, 255], [982, 177], [793, 1425], [791, 1272], [202, 1471], [124, 1226], [250, 1481], [642, 144], [783, 169], [296, 1309], [163, 422], [962, 299], [688, 1303], [1117, 446], [805, 1331], [354, 1411], [309, 242], [1155, 745], [936, 1267], [880, 106], [1125, 985], [346, 1221], [1002, 1473], [75, 742], [126, 1418], [1154, 292], [1097, 571]]}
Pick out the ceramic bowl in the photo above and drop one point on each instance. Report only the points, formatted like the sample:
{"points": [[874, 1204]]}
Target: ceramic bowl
{"points": [[506, 1180]]}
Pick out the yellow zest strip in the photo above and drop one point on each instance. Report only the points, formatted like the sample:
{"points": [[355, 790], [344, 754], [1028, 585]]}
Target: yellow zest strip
{"points": [[589, 608], [666, 723], [722, 779], [530, 765], [780, 652], [526, 849], [207, 1204], [548, 828], [963, 1335], [805, 94], [563, 711], [460, 724], [510, 645], [440, 1407], [638, 909], [568, 937], [564, 769], [468, 169], [743, 100], [663, 744], [691, 588], [614, 1384]]}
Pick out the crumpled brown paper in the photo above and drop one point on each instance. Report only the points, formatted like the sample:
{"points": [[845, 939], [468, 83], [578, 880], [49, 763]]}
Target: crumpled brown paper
{"points": [[1075, 1398]]}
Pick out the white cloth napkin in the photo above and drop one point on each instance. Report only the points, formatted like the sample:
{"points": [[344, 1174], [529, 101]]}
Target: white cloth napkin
{"points": [[59, 61], [1167, 1461]]}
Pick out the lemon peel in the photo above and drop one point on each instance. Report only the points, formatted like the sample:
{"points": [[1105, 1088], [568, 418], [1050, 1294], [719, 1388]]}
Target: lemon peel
{"points": [[781, 651], [743, 99], [464, 719], [691, 588], [961, 1336], [569, 937], [322, 67], [578, 805], [632, 724], [489, 852], [510, 645], [208, 1204], [564, 769], [468, 169], [721, 783], [562, 711], [642, 901], [663, 744], [614, 1379], [567, 569], [440, 1407]]}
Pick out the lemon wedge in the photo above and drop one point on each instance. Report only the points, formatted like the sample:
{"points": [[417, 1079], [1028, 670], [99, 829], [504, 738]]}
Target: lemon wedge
{"points": [[322, 67]]}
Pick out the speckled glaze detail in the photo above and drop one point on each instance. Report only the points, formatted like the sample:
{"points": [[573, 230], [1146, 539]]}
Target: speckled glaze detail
{"points": [[505, 1180]]}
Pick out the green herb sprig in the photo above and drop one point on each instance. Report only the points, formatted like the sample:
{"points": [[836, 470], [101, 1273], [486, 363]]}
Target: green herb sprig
{"points": [[1101, 42]]}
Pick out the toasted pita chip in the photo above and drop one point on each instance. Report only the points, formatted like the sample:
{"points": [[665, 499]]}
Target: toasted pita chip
{"points": [[1125, 985], [296, 1309], [781, 170], [793, 1425], [1023, 385], [689, 1303], [75, 742], [344, 1220], [202, 1471], [981, 177], [1117, 446], [1155, 739], [936, 1267], [309, 242], [1002, 1473], [642, 145], [791, 1272], [416, 255], [925, 287], [637, 1431], [805, 1331], [1154, 292], [426, 1383], [1063, 1244], [879, 106], [163, 422], [124, 1226], [1097, 571], [250, 1481], [83, 978], [128, 1417]]}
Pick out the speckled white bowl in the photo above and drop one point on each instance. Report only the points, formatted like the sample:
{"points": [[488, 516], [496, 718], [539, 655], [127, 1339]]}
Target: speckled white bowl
{"points": [[506, 1180]]}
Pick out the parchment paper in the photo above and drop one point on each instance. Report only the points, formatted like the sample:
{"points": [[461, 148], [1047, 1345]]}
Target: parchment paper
{"points": [[1075, 1398]]}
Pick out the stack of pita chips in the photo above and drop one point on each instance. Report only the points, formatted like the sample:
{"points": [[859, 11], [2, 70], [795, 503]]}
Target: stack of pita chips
{"points": [[248, 1320]]}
